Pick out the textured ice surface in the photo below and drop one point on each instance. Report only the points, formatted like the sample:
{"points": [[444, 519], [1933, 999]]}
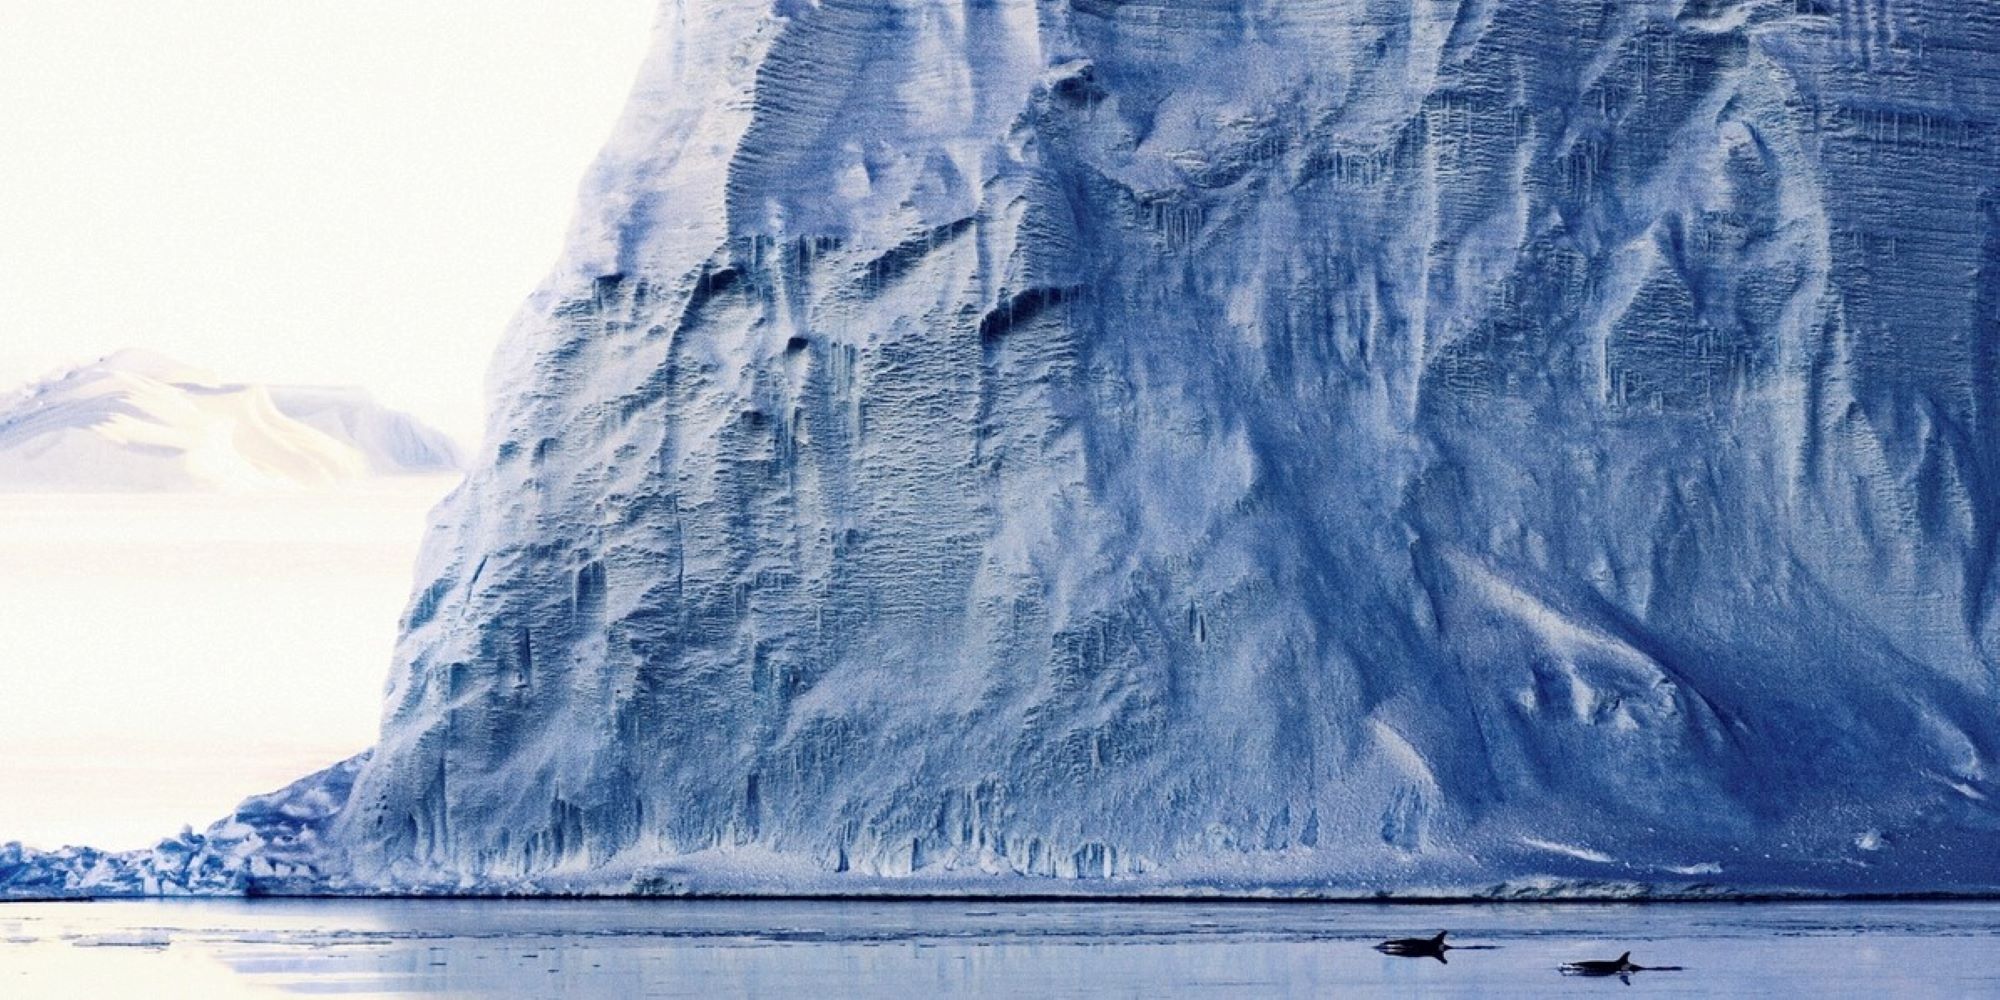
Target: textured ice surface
{"points": [[1327, 446], [139, 422], [1322, 446]]}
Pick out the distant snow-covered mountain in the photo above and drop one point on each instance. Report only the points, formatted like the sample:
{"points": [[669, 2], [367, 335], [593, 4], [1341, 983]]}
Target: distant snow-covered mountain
{"points": [[139, 422]]}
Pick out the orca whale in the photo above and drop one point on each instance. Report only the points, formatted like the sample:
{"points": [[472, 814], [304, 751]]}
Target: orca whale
{"points": [[1618, 967], [1430, 947], [1621, 967]]}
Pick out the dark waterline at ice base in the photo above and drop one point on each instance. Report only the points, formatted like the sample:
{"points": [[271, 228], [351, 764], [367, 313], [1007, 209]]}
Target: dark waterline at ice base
{"points": [[219, 948]]}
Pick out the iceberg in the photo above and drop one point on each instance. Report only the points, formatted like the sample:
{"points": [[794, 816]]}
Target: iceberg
{"points": [[1333, 448]]}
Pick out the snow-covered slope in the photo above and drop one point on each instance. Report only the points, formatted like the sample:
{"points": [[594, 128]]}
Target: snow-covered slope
{"points": [[1330, 446], [136, 421], [391, 442]]}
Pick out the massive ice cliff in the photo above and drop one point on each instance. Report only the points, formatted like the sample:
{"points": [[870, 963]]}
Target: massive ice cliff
{"points": [[1328, 446]]}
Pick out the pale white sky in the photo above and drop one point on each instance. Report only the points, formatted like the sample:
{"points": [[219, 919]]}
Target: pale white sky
{"points": [[336, 191], [351, 191], [164, 656]]}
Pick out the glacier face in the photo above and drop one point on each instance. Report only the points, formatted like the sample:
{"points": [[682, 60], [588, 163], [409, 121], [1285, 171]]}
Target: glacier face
{"points": [[1338, 446]]}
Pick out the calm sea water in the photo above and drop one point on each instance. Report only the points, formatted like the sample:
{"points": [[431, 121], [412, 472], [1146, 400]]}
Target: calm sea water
{"points": [[816, 949]]}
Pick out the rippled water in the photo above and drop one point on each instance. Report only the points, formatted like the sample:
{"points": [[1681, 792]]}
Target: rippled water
{"points": [[706, 949]]}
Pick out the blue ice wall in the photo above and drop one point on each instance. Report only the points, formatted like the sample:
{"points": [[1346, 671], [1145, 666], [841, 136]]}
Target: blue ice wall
{"points": [[1338, 446]]}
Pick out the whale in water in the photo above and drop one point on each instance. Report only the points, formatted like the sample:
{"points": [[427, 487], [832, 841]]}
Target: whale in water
{"points": [[1416, 947], [1621, 967]]}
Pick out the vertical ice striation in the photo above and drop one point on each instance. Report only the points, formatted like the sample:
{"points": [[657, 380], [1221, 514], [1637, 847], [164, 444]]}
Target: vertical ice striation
{"points": [[1340, 445]]}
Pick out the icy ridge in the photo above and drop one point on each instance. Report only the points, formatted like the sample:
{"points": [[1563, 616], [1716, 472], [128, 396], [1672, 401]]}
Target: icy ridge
{"points": [[272, 844], [140, 422]]}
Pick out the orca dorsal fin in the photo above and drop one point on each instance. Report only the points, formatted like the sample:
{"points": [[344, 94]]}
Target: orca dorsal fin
{"points": [[1440, 938], [1625, 959]]}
